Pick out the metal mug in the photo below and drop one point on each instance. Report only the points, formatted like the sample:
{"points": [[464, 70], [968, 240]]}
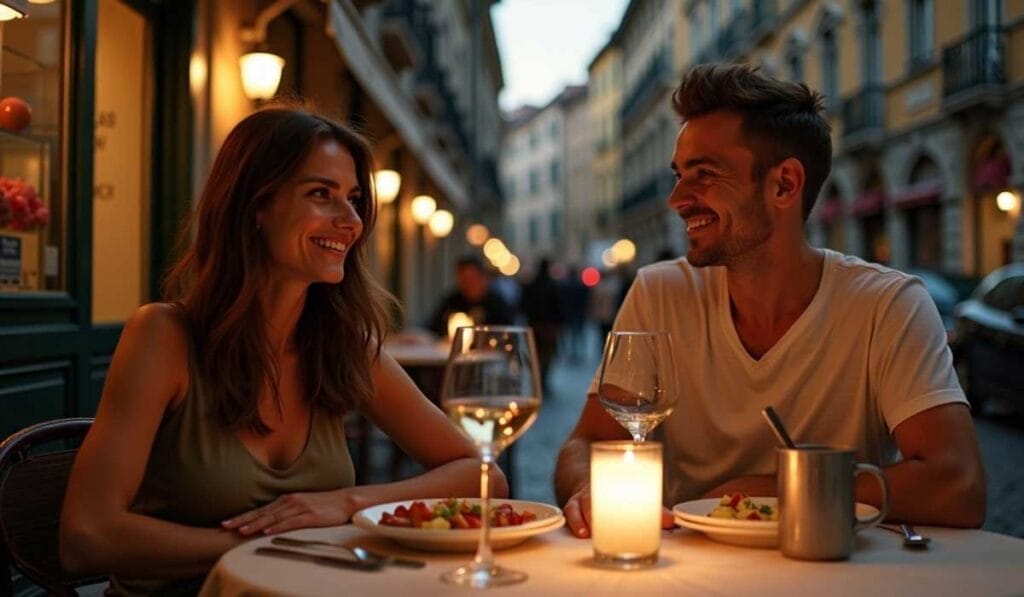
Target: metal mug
{"points": [[817, 518]]}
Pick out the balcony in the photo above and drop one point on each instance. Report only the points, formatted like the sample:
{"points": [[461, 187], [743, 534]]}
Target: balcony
{"points": [[974, 69], [652, 192], [864, 118], [405, 34], [762, 18], [733, 36], [646, 87]]}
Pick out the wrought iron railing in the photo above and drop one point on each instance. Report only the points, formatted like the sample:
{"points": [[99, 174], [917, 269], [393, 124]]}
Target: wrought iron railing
{"points": [[652, 77], [762, 12], [977, 60], [863, 111]]}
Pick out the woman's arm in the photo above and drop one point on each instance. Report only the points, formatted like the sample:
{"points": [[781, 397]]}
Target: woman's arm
{"points": [[420, 429], [98, 532]]}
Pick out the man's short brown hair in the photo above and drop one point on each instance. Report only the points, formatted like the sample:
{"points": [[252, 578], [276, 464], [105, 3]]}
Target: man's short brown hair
{"points": [[781, 119]]}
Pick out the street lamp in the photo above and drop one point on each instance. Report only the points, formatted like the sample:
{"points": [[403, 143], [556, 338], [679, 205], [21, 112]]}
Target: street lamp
{"points": [[423, 206]]}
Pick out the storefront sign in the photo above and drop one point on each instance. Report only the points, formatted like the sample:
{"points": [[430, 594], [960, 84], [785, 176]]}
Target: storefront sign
{"points": [[10, 261]]}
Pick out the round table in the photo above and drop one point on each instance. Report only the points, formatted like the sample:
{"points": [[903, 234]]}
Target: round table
{"points": [[958, 562]]}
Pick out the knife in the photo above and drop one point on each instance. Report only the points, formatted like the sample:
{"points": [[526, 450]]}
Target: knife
{"points": [[372, 557], [323, 560]]}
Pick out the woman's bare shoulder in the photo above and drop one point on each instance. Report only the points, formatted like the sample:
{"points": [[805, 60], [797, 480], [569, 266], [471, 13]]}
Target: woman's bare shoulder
{"points": [[157, 335]]}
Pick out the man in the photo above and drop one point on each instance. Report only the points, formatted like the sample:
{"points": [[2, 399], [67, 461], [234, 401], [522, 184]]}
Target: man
{"points": [[541, 304], [473, 296], [849, 353]]}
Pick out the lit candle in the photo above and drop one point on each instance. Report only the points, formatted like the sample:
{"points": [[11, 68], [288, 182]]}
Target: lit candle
{"points": [[625, 498], [457, 320]]}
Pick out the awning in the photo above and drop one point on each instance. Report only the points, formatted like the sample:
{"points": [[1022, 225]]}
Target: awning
{"points": [[830, 210], [992, 175], [869, 204], [926, 192]]}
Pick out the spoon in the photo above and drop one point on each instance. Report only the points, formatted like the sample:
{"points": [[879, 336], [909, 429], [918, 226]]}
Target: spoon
{"points": [[775, 422], [912, 539]]}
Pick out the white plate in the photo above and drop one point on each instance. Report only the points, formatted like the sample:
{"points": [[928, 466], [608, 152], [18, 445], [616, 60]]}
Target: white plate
{"points": [[740, 537], [747, 533], [549, 518]]}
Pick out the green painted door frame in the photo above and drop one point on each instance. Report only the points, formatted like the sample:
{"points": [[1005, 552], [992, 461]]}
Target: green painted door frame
{"points": [[53, 360]]}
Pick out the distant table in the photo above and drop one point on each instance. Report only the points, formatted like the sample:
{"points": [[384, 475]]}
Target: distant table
{"points": [[958, 562], [433, 355], [424, 363]]}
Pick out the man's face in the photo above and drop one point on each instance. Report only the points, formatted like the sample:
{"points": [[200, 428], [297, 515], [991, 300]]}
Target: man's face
{"points": [[472, 282], [724, 209]]}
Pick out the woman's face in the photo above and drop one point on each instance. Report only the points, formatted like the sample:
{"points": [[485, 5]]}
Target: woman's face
{"points": [[312, 221]]}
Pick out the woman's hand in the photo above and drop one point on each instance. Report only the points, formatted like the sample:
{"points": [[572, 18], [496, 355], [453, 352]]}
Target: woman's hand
{"points": [[295, 511]]}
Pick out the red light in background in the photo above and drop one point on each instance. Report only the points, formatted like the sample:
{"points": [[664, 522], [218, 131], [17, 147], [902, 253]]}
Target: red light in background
{"points": [[590, 277]]}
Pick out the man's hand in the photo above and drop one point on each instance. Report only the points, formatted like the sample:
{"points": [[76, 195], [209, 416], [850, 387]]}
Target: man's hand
{"points": [[577, 514]]}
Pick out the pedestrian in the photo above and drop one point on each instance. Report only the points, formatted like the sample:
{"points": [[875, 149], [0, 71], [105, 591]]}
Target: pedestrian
{"points": [[541, 304]]}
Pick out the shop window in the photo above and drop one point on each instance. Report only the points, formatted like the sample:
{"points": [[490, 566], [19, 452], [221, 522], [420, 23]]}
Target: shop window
{"points": [[121, 168], [32, 210]]}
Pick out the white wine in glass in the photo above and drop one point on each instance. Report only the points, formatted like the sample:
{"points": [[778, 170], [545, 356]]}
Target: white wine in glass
{"points": [[634, 385], [491, 393]]}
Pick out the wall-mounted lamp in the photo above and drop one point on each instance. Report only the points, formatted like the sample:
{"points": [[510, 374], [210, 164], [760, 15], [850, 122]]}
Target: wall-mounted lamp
{"points": [[441, 223], [477, 234], [13, 9], [261, 70], [423, 206], [261, 74], [1007, 201], [386, 184]]}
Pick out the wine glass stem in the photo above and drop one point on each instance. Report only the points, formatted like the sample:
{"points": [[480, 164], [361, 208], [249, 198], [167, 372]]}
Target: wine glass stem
{"points": [[640, 437], [484, 556]]}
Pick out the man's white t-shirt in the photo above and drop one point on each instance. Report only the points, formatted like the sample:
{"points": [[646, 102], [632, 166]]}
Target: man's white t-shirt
{"points": [[867, 353]]}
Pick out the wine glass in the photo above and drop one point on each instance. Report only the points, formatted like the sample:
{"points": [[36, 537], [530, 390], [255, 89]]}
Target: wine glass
{"points": [[633, 386], [491, 393]]}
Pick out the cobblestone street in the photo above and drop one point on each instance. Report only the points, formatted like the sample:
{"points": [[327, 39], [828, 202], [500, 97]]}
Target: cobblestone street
{"points": [[1001, 437]]}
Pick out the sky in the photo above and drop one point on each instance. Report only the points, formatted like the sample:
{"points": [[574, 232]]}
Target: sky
{"points": [[547, 44]]}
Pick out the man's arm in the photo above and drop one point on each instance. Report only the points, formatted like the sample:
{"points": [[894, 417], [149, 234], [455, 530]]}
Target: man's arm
{"points": [[572, 472], [941, 480]]}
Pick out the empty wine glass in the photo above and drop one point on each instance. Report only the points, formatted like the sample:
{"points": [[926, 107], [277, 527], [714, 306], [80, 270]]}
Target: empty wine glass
{"points": [[491, 393], [634, 382]]}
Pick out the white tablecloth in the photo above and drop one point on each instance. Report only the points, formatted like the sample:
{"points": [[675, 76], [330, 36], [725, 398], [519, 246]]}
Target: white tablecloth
{"points": [[958, 562]]}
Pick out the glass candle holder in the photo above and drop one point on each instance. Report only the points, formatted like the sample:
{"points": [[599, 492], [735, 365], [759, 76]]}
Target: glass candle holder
{"points": [[625, 498]]}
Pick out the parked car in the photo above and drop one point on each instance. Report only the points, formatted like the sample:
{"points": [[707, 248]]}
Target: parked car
{"points": [[943, 291], [990, 338]]}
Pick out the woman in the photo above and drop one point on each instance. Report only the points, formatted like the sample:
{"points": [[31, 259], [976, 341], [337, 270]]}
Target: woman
{"points": [[221, 416]]}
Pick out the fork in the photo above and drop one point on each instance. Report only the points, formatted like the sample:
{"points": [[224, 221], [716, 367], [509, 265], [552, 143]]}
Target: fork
{"points": [[361, 553]]}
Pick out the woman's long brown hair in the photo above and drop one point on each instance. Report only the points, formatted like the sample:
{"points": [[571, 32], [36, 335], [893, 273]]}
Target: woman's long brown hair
{"points": [[215, 284]]}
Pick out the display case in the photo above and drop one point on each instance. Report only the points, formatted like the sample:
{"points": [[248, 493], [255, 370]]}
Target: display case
{"points": [[26, 258]]}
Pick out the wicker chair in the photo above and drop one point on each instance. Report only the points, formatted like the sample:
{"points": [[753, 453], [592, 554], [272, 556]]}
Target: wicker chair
{"points": [[32, 487]]}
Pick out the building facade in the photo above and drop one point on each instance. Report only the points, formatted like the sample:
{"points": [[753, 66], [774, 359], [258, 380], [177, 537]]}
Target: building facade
{"points": [[926, 99], [534, 171], [604, 105], [651, 36]]}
